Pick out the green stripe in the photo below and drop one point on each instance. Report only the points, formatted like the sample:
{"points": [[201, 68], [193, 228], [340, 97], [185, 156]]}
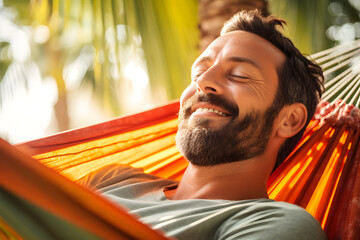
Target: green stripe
{"points": [[32, 222]]}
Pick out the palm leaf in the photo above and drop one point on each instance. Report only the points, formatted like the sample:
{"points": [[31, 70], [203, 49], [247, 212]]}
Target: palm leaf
{"points": [[307, 22]]}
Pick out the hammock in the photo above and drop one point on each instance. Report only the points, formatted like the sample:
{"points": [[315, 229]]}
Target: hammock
{"points": [[39, 197]]}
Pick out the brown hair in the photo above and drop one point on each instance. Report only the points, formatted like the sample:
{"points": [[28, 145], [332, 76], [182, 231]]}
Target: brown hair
{"points": [[300, 79]]}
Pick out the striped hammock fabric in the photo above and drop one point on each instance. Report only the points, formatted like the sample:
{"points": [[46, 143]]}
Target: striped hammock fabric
{"points": [[40, 199]]}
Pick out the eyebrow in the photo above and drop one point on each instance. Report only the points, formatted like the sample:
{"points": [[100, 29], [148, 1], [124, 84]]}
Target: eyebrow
{"points": [[231, 59], [244, 60]]}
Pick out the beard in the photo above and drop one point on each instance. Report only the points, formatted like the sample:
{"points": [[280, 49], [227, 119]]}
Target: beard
{"points": [[237, 140]]}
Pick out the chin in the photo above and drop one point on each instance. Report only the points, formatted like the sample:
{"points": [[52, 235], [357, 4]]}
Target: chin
{"points": [[207, 123]]}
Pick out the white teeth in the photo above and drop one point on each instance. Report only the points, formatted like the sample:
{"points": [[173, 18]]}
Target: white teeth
{"points": [[210, 110]]}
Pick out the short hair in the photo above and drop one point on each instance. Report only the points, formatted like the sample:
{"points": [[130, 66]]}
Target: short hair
{"points": [[300, 79]]}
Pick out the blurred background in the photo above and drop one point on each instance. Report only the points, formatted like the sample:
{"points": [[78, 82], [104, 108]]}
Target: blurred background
{"points": [[66, 64]]}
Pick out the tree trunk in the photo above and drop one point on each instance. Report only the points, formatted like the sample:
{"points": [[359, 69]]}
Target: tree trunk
{"points": [[55, 65], [213, 14]]}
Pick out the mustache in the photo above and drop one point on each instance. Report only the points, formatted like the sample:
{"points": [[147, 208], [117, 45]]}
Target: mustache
{"points": [[211, 99]]}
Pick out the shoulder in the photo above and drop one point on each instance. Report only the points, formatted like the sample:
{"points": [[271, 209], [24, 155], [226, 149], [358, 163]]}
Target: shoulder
{"points": [[267, 219], [296, 223], [112, 174]]}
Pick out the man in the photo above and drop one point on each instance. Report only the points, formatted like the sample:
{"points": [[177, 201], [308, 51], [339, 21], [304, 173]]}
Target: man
{"points": [[250, 99]]}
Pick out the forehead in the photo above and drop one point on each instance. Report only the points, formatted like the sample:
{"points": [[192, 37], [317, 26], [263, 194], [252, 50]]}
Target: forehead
{"points": [[246, 45]]}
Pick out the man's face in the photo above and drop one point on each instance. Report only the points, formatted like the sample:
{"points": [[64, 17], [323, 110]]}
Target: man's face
{"points": [[227, 112]]}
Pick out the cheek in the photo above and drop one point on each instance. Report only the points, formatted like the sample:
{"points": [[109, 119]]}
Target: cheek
{"points": [[245, 99], [249, 101], [188, 92]]}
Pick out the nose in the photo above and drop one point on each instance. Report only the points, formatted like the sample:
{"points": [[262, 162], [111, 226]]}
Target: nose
{"points": [[210, 81]]}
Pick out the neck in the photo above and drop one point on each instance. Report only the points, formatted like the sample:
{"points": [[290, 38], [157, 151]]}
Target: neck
{"points": [[230, 181]]}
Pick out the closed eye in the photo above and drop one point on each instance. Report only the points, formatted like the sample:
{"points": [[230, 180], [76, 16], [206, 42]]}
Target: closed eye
{"points": [[240, 78]]}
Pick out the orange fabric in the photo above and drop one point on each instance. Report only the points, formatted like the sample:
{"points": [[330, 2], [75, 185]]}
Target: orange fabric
{"points": [[322, 173], [99, 131], [39, 185], [319, 175], [144, 140], [344, 212]]}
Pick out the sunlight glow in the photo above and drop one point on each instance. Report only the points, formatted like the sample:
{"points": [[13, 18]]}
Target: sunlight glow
{"points": [[18, 38], [75, 71], [41, 34], [279, 188], [27, 99], [319, 146], [137, 86], [323, 188], [138, 76], [300, 173], [121, 33], [27, 115]]}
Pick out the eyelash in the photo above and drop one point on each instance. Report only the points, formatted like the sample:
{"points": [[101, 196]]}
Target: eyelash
{"points": [[230, 76], [239, 78]]}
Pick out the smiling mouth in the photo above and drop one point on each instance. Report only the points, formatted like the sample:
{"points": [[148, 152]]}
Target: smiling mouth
{"points": [[201, 110]]}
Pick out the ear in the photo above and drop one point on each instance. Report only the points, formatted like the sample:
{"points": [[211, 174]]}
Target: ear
{"points": [[292, 119]]}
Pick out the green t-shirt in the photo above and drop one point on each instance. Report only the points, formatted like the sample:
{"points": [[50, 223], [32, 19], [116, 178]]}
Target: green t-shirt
{"points": [[199, 219]]}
